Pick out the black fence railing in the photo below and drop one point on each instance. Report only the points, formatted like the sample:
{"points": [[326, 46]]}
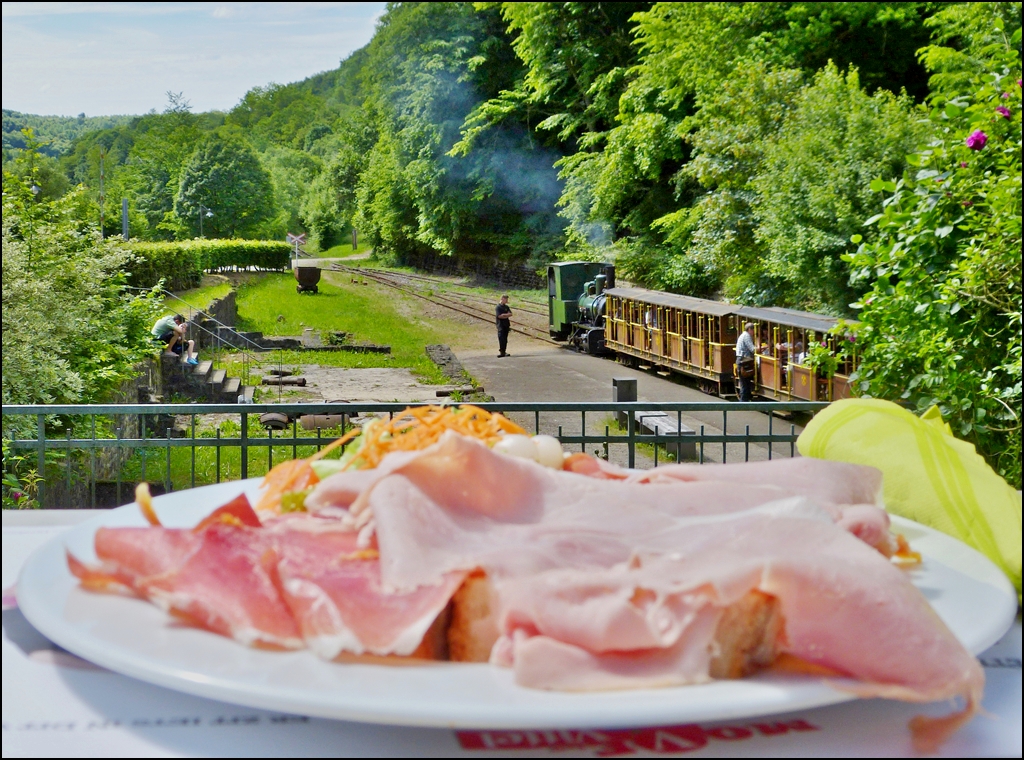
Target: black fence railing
{"points": [[93, 455]]}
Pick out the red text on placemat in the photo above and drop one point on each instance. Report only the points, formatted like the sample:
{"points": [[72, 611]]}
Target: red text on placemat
{"points": [[663, 740]]}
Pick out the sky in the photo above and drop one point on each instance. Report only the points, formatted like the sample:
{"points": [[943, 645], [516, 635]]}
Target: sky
{"points": [[121, 58]]}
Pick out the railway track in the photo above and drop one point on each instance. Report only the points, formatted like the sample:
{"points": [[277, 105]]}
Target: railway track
{"points": [[468, 305], [404, 278]]}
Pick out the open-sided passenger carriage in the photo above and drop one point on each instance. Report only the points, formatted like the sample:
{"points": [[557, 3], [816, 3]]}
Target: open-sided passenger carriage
{"points": [[693, 336], [783, 338]]}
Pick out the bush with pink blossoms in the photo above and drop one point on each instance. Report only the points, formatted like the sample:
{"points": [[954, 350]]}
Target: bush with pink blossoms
{"points": [[941, 323]]}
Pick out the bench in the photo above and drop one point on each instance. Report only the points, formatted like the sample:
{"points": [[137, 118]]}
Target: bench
{"points": [[667, 424]]}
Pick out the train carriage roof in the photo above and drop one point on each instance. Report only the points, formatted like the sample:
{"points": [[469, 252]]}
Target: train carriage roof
{"points": [[687, 303], [789, 317]]}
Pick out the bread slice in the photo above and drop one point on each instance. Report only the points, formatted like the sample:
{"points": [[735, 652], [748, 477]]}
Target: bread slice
{"points": [[474, 625], [746, 639]]}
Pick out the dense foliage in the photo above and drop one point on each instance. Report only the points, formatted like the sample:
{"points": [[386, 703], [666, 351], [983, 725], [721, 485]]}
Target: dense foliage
{"points": [[941, 323], [59, 132], [70, 331]]}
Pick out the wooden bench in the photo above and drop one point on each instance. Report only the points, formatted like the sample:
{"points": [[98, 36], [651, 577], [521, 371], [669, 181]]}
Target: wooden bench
{"points": [[666, 424]]}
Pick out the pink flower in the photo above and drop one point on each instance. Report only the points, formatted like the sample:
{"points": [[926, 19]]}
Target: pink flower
{"points": [[963, 164], [16, 495], [1005, 96], [976, 140], [1003, 111]]}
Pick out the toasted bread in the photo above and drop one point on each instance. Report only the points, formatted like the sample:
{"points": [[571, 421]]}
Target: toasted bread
{"points": [[474, 626], [746, 638]]}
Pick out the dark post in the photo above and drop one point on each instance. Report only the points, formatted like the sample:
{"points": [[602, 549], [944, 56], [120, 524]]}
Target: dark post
{"points": [[355, 239], [623, 390], [124, 218]]}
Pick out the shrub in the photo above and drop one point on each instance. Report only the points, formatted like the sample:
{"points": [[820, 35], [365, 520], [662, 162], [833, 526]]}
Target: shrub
{"points": [[70, 332], [942, 321], [181, 264]]}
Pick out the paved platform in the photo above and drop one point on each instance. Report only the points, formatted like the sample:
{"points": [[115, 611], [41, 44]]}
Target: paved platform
{"points": [[537, 372]]}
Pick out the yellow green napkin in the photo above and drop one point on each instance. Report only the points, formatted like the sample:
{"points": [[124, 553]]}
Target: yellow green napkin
{"points": [[930, 476]]}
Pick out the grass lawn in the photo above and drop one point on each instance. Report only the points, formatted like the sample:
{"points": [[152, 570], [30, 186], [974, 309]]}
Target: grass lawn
{"points": [[271, 305], [343, 251], [199, 298]]}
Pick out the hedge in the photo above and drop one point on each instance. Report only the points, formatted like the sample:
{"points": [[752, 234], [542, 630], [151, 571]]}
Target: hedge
{"points": [[181, 264]]}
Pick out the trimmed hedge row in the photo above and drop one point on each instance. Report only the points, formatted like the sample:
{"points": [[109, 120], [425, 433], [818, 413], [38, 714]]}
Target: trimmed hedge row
{"points": [[181, 264]]}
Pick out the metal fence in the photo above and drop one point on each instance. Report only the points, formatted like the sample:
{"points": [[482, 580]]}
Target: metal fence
{"points": [[85, 449]]}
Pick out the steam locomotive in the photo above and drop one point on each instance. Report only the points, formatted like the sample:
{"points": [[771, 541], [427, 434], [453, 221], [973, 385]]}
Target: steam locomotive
{"points": [[695, 337]]}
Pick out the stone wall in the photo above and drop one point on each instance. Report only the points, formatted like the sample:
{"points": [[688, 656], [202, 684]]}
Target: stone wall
{"points": [[223, 310]]}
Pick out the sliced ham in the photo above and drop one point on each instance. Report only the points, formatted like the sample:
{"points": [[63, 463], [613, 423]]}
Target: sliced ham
{"points": [[598, 577], [229, 585], [824, 481], [141, 552], [458, 500], [334, 592]]}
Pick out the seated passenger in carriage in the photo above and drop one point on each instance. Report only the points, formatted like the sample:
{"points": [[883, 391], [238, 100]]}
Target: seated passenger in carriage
{"points": [[798, 353]]}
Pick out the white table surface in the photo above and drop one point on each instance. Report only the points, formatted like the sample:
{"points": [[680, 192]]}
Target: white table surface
{"points": [[56, 704]]}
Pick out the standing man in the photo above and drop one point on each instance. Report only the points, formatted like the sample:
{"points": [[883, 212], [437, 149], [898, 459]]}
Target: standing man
{"points": [[503, 320], [745, 362]]}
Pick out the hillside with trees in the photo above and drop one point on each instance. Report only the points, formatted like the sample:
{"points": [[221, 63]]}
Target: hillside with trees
{"points": [[58, 132], [859, 159]]}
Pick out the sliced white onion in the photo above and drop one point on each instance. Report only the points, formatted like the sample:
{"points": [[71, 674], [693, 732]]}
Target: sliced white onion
{"points": [[517, 446], [549, 451]]}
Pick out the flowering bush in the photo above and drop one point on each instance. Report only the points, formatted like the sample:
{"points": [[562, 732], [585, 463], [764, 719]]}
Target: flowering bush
{"points": [[941, 323], [976, 140]]}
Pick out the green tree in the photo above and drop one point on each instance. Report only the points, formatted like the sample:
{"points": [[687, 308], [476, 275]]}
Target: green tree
{"points": [[224, 175], [38, 169], [629, 186], [812, 192], [428, 67], [291, 172], [330, 200]]}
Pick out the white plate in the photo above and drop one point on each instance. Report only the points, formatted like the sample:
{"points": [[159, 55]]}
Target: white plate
{"points": [[135, 638]]}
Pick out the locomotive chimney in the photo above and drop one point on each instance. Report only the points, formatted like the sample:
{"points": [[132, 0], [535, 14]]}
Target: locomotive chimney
{"points": [[609, 275]]}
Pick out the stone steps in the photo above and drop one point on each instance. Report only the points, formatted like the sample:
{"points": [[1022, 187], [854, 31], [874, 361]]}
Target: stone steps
{"points": [[215, 383], [202, 382], [230, 390]]}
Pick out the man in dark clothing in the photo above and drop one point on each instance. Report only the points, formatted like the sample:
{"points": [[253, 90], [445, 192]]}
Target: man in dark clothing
{"points": [[503, 320]]}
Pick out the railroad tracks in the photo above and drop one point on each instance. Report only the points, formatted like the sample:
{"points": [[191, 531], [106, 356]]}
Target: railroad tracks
{"points": [[468, 304]]}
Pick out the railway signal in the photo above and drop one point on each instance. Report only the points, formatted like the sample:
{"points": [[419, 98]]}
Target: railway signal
{"points": [[296, 241]]}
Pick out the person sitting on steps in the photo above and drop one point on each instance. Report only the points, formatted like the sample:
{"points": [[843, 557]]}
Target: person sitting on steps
{"points": [[170, 330]]}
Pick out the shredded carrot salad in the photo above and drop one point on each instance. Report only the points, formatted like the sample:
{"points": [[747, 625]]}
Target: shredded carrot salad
{"points": [[419, 427], [412, 429]]}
